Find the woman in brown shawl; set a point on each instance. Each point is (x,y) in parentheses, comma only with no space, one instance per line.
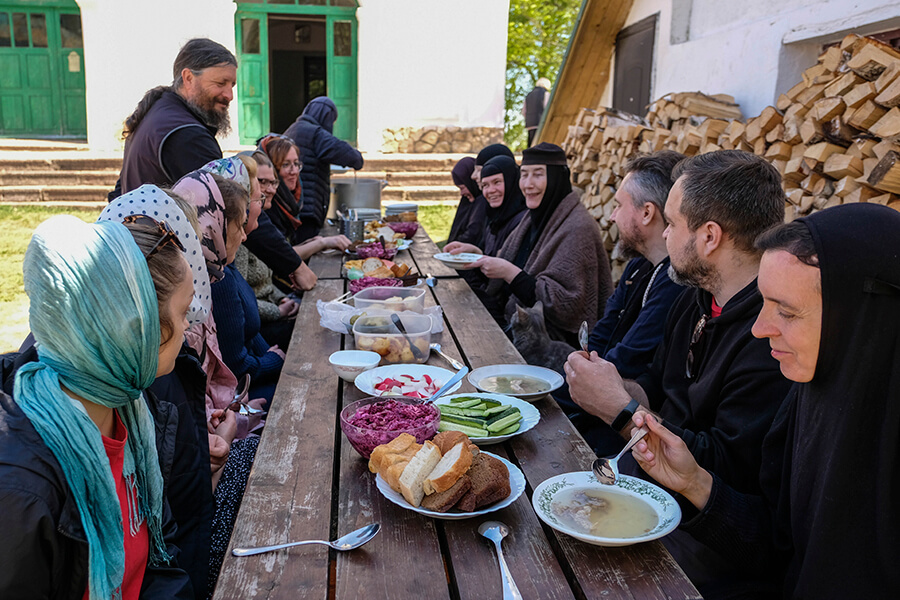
(555,254)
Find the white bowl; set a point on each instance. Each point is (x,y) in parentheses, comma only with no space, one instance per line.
(663,504)
(553,379)
(350,363)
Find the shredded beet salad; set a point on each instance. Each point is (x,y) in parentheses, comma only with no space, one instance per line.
(390,415)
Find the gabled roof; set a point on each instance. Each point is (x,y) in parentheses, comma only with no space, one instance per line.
(585,70)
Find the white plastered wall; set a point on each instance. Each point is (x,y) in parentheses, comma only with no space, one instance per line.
(752,50)
(430,62)
(129,48)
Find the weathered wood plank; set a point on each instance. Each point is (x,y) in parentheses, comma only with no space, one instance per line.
(286,497)
(423,251)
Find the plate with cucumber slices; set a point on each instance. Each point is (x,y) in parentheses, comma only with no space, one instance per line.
(486,418)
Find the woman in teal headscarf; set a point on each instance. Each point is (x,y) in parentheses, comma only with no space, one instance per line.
(80,486)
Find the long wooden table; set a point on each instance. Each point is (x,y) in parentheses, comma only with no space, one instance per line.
(308,483)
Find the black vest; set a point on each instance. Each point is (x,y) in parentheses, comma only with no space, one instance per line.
(142,162)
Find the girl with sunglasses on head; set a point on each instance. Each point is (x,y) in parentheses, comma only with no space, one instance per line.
(83,509)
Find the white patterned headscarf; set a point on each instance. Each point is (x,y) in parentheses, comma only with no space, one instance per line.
(151,201)
(229,168)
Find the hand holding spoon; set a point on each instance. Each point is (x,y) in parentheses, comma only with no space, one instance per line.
(606,470)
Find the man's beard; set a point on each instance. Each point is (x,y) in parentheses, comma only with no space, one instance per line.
(626,247)
(695,272)
(220,121)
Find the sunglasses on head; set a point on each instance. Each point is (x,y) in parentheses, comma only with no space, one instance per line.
(166,234)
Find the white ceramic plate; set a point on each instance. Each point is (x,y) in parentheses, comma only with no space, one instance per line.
(457,261)
(516,487)
(365,382)
(554,379)
(530,415)
(667,509)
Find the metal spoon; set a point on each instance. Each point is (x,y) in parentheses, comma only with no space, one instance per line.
(415,349)
(436,348)
(496,531)
(430,280)
(584,336)
(446,387)
(606,470)
(351,541)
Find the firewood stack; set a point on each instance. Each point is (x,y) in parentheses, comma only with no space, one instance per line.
(834,137)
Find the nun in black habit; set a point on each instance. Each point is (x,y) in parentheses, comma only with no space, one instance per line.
(466,225)
(828,524)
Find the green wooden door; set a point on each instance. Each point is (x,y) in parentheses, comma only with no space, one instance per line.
(253,75)
(42,91)
(342,83)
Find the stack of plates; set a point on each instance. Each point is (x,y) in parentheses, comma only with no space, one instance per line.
(396,209)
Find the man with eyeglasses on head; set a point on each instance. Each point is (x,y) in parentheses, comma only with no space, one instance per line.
(711,382)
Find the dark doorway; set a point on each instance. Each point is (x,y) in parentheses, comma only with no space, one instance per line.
(634,66)
(297,74)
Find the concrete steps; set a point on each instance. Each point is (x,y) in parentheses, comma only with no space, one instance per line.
(70,175)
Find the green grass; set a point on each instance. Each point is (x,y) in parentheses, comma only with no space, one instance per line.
(19,222)
(436,220)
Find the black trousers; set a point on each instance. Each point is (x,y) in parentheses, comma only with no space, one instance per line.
(531,134)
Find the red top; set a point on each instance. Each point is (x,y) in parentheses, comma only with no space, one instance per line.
(137,547)
(715,309)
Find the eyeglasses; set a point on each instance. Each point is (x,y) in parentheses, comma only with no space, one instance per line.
(166,233)
(695,337)
(292,163)
(267,182)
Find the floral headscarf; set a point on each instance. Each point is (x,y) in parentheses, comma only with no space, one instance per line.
(230,168)
(201,191)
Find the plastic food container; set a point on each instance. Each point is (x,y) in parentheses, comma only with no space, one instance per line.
(379,334)
(390,298)
(388,418)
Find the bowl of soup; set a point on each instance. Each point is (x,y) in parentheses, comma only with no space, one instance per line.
(630,512)
(526,382)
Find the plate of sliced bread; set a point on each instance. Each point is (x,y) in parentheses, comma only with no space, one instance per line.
(445,478)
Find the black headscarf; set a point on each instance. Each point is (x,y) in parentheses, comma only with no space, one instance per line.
(489,152)
(513,200)
(558,187)
(838,488)
(462,175)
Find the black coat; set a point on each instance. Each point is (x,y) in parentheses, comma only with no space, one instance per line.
(178,404)
(44,552)
(268,243)
(319,149)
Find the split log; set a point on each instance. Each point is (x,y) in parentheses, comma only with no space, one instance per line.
(886,174)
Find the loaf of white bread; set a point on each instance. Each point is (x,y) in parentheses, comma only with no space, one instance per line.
(441,469)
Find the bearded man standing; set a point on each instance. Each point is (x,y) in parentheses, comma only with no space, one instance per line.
(173,129)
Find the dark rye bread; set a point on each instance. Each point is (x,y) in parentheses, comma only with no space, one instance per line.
(444,501)
(490,483)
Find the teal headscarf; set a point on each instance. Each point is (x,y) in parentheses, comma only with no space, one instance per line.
(94,315)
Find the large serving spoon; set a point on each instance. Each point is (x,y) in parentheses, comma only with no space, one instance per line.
(606,470)
(496,531)
(351,541)
(446,387)
(420,356)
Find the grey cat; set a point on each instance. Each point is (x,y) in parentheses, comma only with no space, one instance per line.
(532,341)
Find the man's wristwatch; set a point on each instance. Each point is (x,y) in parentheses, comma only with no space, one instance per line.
(623,417)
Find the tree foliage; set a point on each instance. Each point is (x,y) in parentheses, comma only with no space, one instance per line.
(538,36)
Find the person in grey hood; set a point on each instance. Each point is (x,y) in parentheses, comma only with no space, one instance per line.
(319,149)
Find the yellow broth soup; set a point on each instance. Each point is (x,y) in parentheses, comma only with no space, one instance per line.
(514,384)
(604,514)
